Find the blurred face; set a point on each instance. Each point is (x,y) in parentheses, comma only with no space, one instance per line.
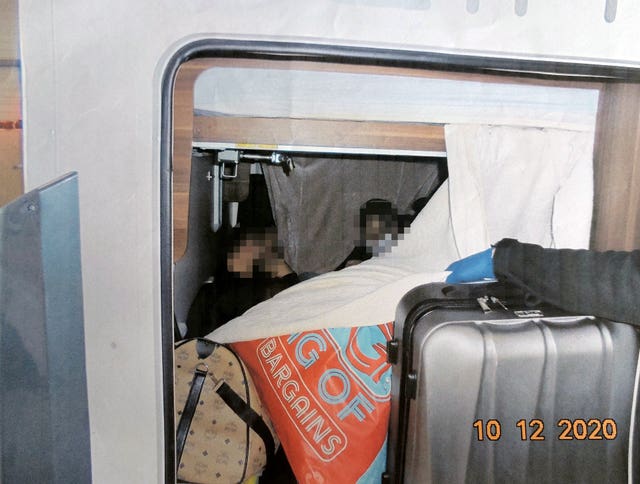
(244,256)
(255,252)
(380,233)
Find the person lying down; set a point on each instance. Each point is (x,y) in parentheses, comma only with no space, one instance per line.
(360,294)
(255,271)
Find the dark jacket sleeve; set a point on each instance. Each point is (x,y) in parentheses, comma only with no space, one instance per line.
(604,284)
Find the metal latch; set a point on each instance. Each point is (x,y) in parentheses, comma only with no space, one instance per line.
(228,160)
(484,304)
(497,301)
(489,303)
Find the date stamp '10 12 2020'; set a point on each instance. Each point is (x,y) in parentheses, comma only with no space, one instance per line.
(534,429)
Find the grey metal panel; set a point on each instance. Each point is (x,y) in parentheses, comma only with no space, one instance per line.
(198,262)
(471,366)
(44,416)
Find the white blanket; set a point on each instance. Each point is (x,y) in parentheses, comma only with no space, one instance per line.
(527,183)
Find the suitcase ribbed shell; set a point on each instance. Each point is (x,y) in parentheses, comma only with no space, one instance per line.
(477,375)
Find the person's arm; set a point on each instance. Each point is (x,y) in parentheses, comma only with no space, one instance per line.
(605,284)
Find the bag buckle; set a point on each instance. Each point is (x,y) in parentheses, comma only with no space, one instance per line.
(217,382)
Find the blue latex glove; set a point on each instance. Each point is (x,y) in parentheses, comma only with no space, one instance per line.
(476,267)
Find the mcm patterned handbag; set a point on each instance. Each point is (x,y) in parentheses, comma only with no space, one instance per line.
(223,434)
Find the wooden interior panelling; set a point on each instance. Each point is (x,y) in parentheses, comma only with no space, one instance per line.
(182,139)
(10,165)
(312,132)
(616,223)
(11,183)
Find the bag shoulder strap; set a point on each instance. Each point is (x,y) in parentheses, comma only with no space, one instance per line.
(249,416)
(189,409)
(234,402)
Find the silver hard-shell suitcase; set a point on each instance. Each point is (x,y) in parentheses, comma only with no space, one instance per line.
(489,386)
